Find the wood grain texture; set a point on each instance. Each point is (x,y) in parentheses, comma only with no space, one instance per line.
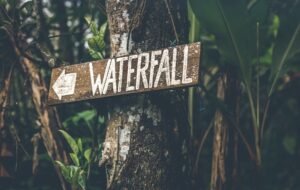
(110,77)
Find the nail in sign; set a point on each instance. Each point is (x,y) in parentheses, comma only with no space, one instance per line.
(167,68)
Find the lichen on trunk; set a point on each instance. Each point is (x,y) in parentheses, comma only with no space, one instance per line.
(145,141)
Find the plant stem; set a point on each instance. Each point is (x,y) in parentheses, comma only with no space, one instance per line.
(257,125)
(283,59)
(255,128)
(190,110)
(257,77)
(266,110)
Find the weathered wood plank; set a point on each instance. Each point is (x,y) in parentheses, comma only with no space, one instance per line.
(167,68)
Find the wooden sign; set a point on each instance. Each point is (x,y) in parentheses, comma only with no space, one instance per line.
(167,68)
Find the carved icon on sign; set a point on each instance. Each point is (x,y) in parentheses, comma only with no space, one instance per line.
(64,84)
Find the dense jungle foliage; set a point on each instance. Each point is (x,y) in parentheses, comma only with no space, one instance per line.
(248,95)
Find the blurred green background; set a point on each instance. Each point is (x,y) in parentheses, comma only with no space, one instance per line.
(253,44)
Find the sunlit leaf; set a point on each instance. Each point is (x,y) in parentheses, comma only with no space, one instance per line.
(101,119)
(82,179)
(97,42)
(93,44)
(28,5)
(101,35)
(92,25)
(64,170)
(75,159)
(79,144)
(73,173)
(72,143)
(95,54)
(87,115)
(87,154)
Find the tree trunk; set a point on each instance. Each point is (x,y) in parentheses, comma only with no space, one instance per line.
(48,118)
(225,141)
(218,173)
(145,146)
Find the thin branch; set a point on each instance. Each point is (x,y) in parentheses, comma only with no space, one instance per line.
(283,59)
(172,21)
(52,144)
(201,146)
(233,123)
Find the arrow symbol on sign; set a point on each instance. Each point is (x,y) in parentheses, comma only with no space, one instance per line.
(65,84)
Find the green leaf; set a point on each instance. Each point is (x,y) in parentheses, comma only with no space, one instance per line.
(234,25)
(101,35)
(97,42)
(59,163)
(93,44)
(103,30)
(72,143)
(79,144)
(101,119)
(75,159)
(92,25)
(287,43)
(95,54)
(290,144)
(64,170)
(70,173)
(88,20)
(87,115)
(73,120)
(87,154)
(73,173)
(28,5)
(82,179)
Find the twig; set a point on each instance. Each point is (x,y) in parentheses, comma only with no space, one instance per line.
(3,96)
(172,21)
(250,151)
(201,146)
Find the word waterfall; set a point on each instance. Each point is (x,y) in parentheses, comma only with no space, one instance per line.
(148,71)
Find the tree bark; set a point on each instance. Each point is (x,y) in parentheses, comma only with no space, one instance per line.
(225,147)
(47,116)
(218,173)
(145,144)
(6,145)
